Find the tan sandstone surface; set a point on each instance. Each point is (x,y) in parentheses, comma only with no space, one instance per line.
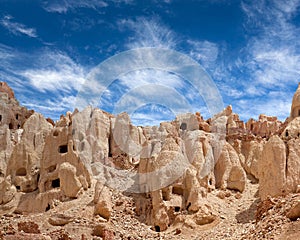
(92,175)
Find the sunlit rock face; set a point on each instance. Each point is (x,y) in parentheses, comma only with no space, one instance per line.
(170,169)
(295,108)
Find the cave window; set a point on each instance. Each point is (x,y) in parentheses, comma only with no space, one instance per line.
(18,187)
(286,133)
(183,126)
(177,209)
(55,133)
(17,116)
(187,208)
(21,172)
(56,183)
(157,228)
(19,126)
(63,149)
(298,112)
(10,126)
(0,117)
(251,127)
(48,207)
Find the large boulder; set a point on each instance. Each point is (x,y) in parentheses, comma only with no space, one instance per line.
(69,182)
(103,201)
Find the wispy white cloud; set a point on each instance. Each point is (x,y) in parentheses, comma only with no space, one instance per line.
(69,5)
(66,5)
(204,51)
(17,28)
(56,72)
(148,32)
(52,107)
(49,85)
(268,67)
(273,54)
(272,106)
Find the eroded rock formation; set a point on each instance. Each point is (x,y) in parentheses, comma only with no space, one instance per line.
(169,169)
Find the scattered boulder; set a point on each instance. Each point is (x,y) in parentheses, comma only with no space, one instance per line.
(104,232)
(59,219)
(102,201)
(294,212)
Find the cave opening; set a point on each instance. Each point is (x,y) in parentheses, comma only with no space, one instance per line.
(177,209)
(55,183)
(183,126)
(63,149)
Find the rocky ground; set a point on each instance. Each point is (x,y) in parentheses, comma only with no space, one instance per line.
(239,216)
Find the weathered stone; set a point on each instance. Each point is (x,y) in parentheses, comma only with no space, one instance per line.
(295,108)
(228,170)
(59,219)
(204,216)
(293,165)
(104,232)
(24,163)
(294,212)
(102,201)
(69,182)
(272,173)
(7,191)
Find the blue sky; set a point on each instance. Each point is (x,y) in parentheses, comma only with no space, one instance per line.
(251,50)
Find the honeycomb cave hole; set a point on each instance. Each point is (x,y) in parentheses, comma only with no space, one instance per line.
(177,209)
(183,126)
(187,208)
(56,183)
(63,149)
(48,207)
(157,228)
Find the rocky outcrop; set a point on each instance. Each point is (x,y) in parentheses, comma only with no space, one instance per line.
(272,174)
(228,170)
(250,154)
(265,127)
(295,108)
(24,163)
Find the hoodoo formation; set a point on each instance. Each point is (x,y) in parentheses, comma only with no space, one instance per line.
(69,179)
